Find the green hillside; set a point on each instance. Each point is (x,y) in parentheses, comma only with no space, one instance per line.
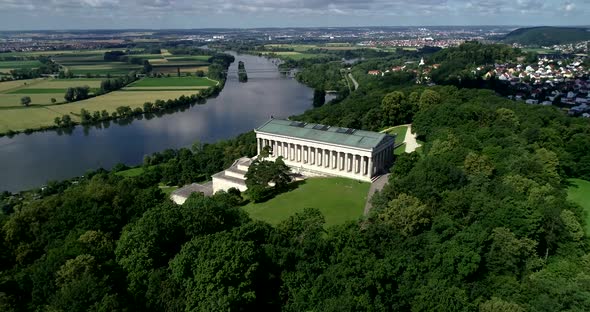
(546,36)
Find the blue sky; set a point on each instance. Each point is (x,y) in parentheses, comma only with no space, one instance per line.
(109,14)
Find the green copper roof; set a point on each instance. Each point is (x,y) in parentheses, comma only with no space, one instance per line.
(316,132)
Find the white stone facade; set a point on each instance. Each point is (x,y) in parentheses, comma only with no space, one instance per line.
(327,158)
(234,176)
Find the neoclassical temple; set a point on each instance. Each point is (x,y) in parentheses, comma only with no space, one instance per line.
(311,149)
(325,150)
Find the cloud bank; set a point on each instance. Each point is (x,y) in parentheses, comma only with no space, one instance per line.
(70,14)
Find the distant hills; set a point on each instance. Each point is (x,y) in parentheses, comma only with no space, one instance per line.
(547,36)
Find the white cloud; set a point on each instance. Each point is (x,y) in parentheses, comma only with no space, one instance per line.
(569,6)
(196,13)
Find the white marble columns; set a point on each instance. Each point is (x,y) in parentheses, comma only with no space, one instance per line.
(356,163)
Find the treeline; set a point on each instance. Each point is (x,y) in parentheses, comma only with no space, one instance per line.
(88,117)
(74,94)
(479,222)
(188,50)
(219,64)
(47,67)
(109,85)
(478,54)
(457,63)
(218,70)
(242,74)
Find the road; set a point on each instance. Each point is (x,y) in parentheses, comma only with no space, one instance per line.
(356,84)
(377,185)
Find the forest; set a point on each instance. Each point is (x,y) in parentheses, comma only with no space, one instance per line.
(478,221)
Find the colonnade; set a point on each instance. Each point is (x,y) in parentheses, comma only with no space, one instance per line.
(328,159)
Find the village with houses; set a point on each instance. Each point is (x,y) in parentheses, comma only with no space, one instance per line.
(552,80)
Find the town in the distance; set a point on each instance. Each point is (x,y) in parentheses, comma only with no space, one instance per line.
(382,168)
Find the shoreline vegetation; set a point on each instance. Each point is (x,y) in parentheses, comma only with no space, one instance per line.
(92,117)
(203,88)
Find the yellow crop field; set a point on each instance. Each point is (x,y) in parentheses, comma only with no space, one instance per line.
(172,88)
(42,113)
(67,83)
(111,101)
(9,85)
(26,118)
(158,61)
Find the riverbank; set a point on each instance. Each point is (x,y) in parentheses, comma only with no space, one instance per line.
(148,95)
(30,160)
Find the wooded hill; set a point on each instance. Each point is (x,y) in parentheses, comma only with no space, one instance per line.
(479,222)
(547,36)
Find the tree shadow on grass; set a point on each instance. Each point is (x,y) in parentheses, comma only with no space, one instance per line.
(289,188)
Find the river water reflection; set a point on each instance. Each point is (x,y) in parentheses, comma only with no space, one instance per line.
(28,161)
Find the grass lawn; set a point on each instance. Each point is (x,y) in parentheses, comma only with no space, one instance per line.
(174,82)
(400,133)
(579,193)
(168,189)
(133,172)
(339,199)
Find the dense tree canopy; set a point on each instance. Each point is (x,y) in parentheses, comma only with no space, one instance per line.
(478,221)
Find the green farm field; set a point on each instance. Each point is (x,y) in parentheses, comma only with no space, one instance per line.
(21,118)
(104,68)
(174,82)
(42,112)
(188,58)
(26,118)
(12,100)
(10,85)
(41,91)
(55,53)
(64,83)
(338,199)
(295,55)
(6,66)
(579,193)
(27,91)
(306,47)
(162,88)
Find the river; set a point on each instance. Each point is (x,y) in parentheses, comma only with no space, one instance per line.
(29,161)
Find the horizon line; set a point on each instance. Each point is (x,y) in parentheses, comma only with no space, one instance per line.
(289,27)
